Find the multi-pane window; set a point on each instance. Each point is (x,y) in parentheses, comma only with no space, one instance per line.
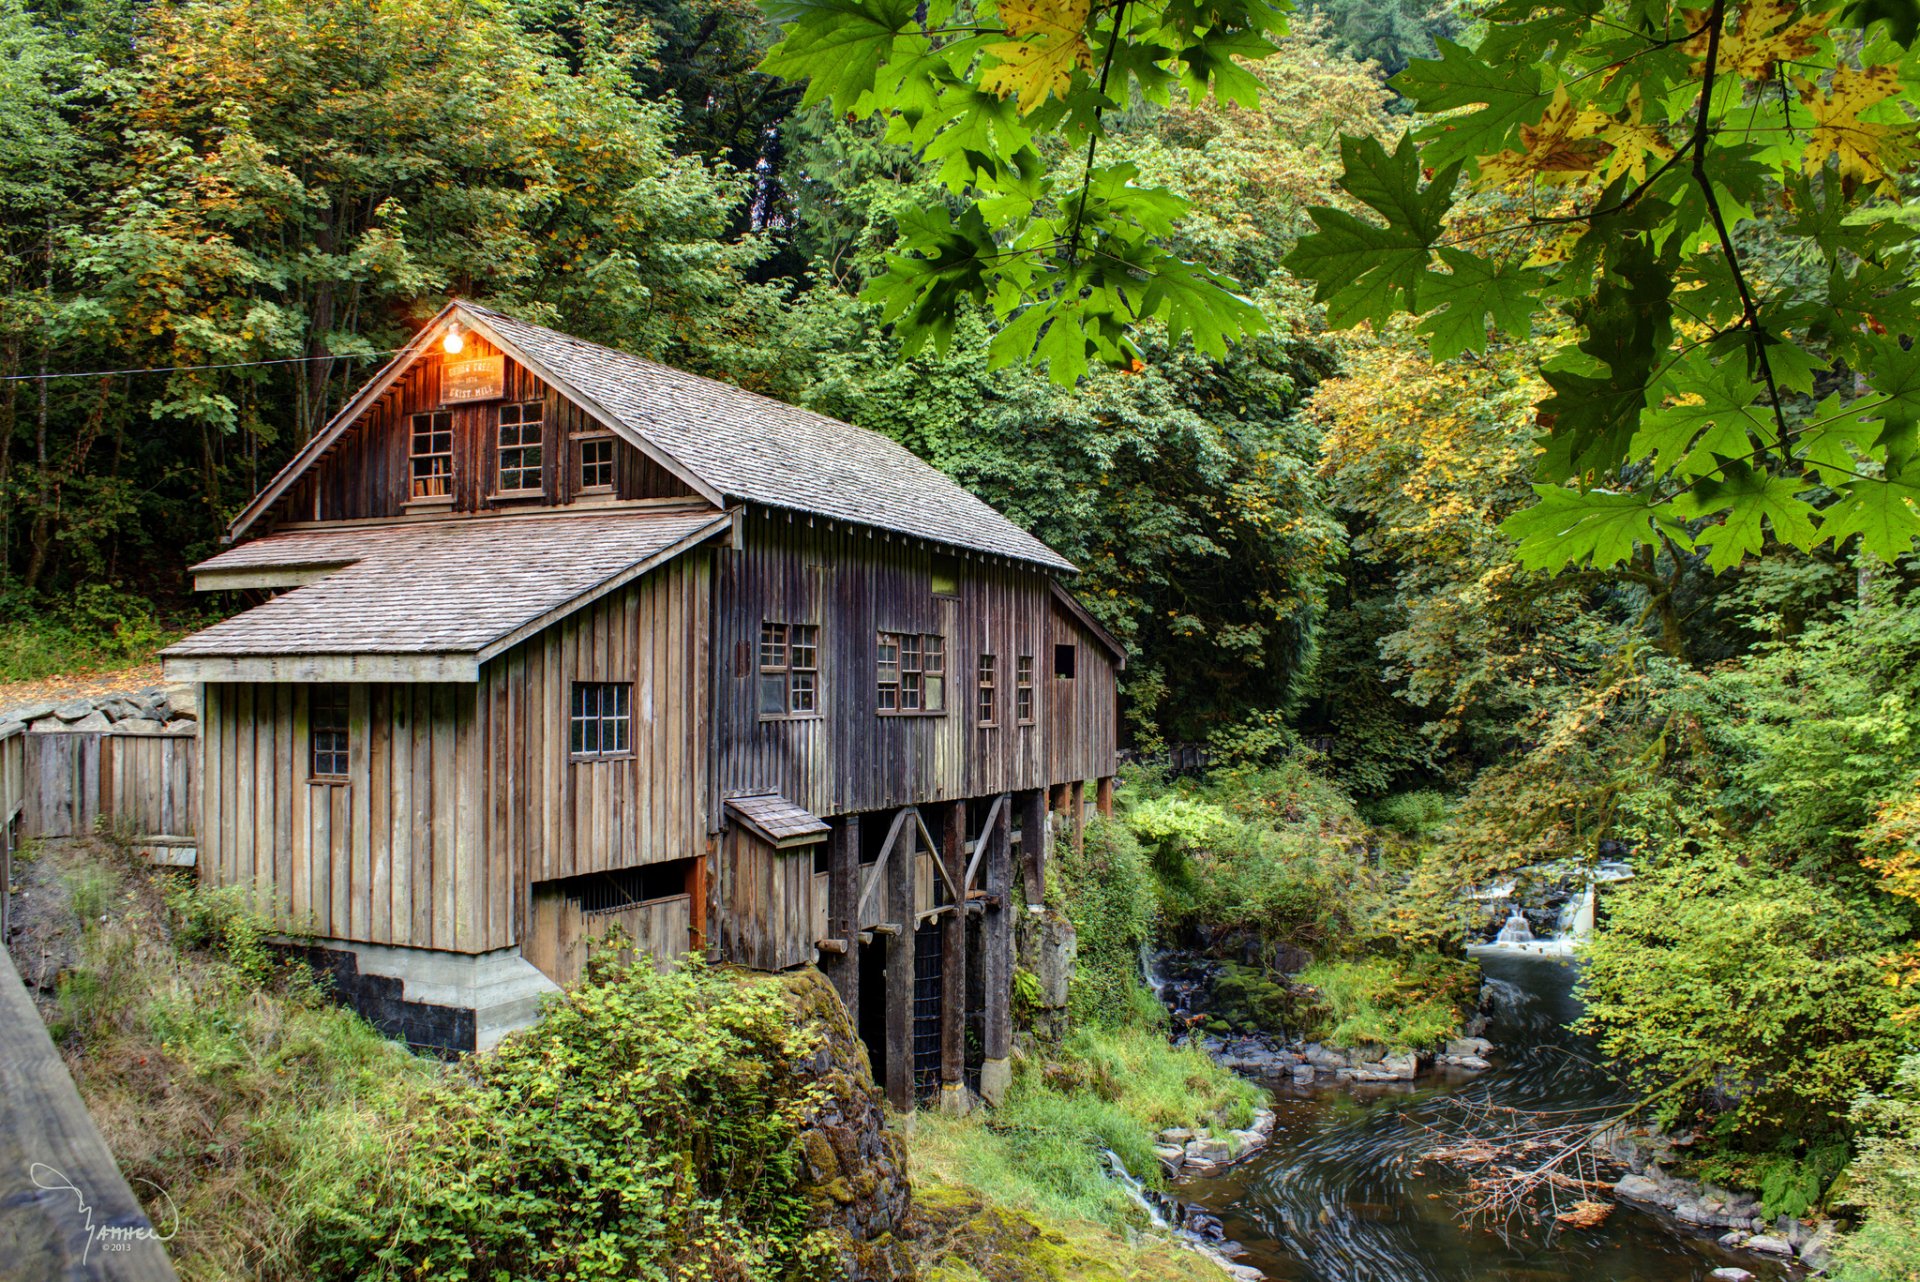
(596,463)
(519,452)
(601,720)
(327,732)
(789,669)
(985,684)
(432,455)
(1023,689)
(911,672)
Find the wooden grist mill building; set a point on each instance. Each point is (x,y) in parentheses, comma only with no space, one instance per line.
(551,638)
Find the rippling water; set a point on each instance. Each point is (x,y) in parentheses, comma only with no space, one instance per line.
(1340,1195)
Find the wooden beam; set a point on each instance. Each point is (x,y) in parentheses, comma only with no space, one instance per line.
(938,846)
(979,848)
(69,1213)
(1104,795)
(310,668)
(996,963)
(953,960)
(899,996)
(1078,809)
(843,885)
(877,873)
(1036,831)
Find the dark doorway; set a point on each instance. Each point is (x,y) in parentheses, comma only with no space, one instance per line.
(872,1020)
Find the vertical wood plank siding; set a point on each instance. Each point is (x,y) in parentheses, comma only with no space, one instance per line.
(150,781)
(368,472)
(392,855)
(852,758)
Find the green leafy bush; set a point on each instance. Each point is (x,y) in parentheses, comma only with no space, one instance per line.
(1883,1184)
(645,1128)
(1107,892)
(1400,1003)
(1411,814)
(99,627)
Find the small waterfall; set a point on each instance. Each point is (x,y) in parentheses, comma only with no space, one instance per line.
(1516,931)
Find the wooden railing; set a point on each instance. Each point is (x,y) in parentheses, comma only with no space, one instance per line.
(13,791)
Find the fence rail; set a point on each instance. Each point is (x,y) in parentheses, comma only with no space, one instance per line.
(149,781)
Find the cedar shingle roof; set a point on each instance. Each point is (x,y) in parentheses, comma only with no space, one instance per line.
(764,451)
(438,587)
(778,821)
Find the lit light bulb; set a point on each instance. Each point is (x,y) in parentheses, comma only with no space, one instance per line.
(453,342)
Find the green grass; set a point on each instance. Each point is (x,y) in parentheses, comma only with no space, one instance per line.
(1401,1004)
(100,629)
(1040,1152)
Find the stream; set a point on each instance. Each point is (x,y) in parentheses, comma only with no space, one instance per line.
(1340,1195)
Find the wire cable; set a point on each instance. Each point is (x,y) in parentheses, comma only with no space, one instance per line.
(184,369)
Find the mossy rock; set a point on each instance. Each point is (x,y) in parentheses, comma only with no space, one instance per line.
(962,1239)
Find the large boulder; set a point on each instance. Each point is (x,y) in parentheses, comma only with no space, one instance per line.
(854,1166)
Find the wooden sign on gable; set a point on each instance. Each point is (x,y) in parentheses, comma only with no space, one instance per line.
(483,378)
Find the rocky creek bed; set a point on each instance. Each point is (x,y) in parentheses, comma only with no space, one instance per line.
(1335,1183)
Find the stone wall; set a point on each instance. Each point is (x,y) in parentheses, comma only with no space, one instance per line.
(854,1164)
(161,710)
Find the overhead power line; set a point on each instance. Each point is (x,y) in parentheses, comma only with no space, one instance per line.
(184,369)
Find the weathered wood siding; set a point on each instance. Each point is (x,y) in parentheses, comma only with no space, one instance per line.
(392,855)
(776,904)
(13,793)
(854,585)
(151,782)
(561,933)
(367,473)
(548,816)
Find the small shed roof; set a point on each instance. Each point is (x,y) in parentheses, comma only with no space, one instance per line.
(777,821)
(460,591)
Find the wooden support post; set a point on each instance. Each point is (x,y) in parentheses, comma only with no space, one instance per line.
(899,901)
(1078,791)
(697,904)
(1104,793)
(843,893)
(1034,831)
(953,965)
(996,937)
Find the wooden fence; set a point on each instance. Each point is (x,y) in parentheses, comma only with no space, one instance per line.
(149,782)
(13,792)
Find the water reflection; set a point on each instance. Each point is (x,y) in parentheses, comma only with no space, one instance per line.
(1341,1195)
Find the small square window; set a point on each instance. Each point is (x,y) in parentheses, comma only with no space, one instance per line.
(327,732)
(601,719)
(596,463)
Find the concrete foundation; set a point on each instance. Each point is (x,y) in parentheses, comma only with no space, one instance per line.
(996,1075)
(435,1000)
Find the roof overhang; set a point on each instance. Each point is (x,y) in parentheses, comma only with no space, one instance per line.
(780,823)
(1071,604)
(363,400)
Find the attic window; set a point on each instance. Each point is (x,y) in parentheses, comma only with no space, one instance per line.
(520,462)
(596,463)
(946,575)
(1065,660)
(432,455)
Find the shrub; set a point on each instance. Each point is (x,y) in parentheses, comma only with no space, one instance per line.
(1399,1003)
(645,1128)
(1883,1185)
(1107,892)
(1411,814)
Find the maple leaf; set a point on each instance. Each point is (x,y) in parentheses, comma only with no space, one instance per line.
(1830,444)
(1566,527)
(1561,148)
(836,46)
(1472,288)
(1881,511)
(1713,415)
(1050,41)
(1632,140)
(1766,33)
(1869,151)
(1508,95)
(1747,496)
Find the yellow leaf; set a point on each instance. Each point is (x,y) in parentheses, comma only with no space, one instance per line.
(1560,149)
(1632,140)
(1051,40)
(1765,33)
(1867,151)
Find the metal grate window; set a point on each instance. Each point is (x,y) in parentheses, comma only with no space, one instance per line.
(596,463)
(1023,689)
(789,669)
(520,427)
(927,985)
(601,723)
(431,459)
(986,698)
(911,672)
(327,735)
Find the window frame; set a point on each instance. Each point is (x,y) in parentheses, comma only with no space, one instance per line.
(919,667)
(986,706)
(437,423)
(329,719)
(1023,701)
(582,441)
(600,704)
(1066,661)
(520,447)
(781,647)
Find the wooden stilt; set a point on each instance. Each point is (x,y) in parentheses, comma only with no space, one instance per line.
(996,936)
(1104,793)
(1034,831)
(843,892)
(697,904)
(953,962)
(1078,809)
(899,901)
